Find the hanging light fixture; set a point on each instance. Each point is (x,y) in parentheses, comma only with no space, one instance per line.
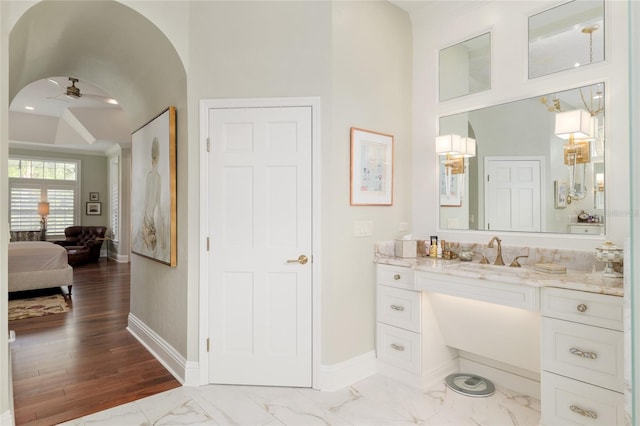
(575,126)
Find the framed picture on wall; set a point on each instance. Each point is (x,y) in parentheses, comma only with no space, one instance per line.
(371,168)
(451,186)
(153,189)
(93,208)
(94,196)
(561,192)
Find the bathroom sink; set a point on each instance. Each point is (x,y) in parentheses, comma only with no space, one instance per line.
(488,271)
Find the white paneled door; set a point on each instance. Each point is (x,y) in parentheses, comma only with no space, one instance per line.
(260,246)
(512,194)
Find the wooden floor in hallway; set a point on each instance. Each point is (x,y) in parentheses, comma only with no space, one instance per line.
(72,364)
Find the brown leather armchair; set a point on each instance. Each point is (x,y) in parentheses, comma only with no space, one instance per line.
(83,243)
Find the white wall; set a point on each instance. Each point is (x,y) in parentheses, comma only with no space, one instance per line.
(371,89)
(508,23)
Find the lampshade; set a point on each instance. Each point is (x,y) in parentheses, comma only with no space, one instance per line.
(43,208)
(468,146)
(576,123)
(448,144)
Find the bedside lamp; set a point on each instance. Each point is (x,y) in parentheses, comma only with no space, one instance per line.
(43,211)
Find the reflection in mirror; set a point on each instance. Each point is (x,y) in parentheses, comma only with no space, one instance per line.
(568,36)
(465,68)
(528,174)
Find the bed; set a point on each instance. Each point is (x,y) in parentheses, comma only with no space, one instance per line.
(38,264)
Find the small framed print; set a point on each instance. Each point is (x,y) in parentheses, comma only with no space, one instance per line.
(371,168)
(93,209)
(561,194)
(94,196)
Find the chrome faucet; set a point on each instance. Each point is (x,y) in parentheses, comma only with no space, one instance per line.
(499,260)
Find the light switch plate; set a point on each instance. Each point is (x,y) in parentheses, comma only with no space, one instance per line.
(363,228)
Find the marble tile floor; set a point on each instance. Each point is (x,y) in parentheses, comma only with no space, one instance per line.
(376,400)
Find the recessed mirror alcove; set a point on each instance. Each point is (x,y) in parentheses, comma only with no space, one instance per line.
(465,68)
(530,171)
(567,36)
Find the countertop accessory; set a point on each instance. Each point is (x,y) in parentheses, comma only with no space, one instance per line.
(470,385)
(609,253)
(465,255)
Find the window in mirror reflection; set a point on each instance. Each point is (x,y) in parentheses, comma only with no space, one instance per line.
(465,68)
(522,156)
(568,36)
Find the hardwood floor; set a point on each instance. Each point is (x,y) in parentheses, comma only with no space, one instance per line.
(69,365)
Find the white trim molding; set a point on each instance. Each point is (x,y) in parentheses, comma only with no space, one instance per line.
(339,376)
(186,372)
(6,418)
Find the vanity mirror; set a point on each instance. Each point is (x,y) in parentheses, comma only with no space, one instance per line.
(465,68)
(531,170)
(568,36)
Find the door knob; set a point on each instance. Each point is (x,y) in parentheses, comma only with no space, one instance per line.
(302,259)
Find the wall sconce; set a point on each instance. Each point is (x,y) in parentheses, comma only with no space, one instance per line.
(43,211)
(575,126)
(451,146)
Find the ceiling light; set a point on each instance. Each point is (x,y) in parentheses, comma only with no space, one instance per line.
(577,64)
(29,108)
(111,101)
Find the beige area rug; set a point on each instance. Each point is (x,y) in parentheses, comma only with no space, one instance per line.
(37,307)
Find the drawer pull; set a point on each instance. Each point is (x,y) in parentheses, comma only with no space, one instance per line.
(397,308)
(583,354)
(583,412)
(581,307)
(397,347)
(396,277)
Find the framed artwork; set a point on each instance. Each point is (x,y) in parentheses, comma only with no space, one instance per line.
(371,168)
(451,187)
(93,208)
(560,191)
(153,189)
(94,196)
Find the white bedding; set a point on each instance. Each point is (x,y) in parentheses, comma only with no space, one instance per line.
(38,264)
(30,256)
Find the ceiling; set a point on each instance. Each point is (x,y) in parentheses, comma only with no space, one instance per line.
(88,124)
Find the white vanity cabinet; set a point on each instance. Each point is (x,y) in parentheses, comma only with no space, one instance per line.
(582,379)
(399,323)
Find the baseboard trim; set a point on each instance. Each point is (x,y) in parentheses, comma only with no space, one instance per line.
(7,418)
(186,372)
(339,376)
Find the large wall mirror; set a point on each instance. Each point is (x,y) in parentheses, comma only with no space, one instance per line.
(537,165)
(465,68)
(568,36)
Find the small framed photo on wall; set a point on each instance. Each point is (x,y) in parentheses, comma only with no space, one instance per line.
(94,196)
(93,209)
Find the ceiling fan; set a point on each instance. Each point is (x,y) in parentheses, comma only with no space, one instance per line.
(73,92)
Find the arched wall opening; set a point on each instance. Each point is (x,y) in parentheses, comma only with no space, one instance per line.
(119,50)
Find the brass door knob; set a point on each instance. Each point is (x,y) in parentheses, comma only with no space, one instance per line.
(302,259)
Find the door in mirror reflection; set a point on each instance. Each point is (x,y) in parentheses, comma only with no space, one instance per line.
(525,130)
(567,36)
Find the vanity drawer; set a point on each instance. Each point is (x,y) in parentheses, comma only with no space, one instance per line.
(570,402)
(399,347)
(586,229)
(580,306)
(583,352)
(395,276)
(399,307)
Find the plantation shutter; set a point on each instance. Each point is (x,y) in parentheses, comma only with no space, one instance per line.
(62,209)
(24,208)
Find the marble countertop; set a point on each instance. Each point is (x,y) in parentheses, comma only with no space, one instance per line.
(592,282)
